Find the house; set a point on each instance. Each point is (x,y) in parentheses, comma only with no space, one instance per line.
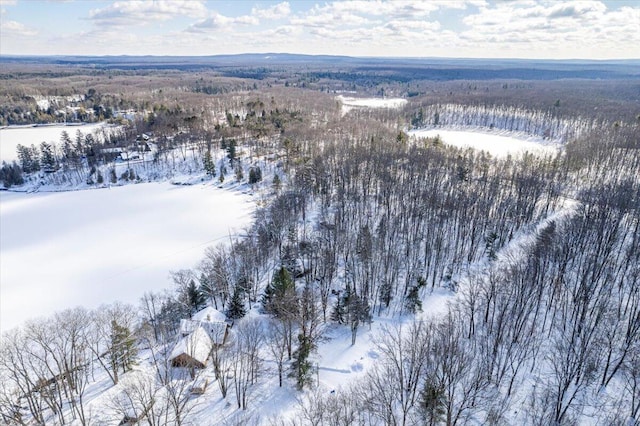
(213,321)
(207,329)
(193,350)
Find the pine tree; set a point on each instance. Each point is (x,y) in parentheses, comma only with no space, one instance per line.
(122,351)
(385,294)
(412,301)
(208,163)
(432,403)
(48,159)
(490,246)
(255,175)
(356,311)
(195,297)
(280,295)
(276,182)
(236,306)
(338,313)
(301,367)
(29,158)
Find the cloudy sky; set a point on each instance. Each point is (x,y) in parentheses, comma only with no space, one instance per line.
(422,28)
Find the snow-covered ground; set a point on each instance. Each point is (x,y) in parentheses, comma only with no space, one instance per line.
(349,103)
(11,137)
(498,143)
(60,250)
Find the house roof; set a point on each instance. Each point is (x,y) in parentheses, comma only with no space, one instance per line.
(196,345)
(209,314)
(215,330)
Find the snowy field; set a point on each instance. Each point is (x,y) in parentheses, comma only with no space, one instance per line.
(349,103)
(60,250)
(497,143)
(11,137)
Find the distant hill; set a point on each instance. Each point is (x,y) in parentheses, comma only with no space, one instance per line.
(401,68)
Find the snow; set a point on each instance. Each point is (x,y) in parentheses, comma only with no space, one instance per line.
(209,314)
(60,250)
(349,103)
(497,143)
(197,345)
(11,137)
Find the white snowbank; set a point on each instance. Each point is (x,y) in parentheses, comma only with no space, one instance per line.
(497,143)
(349,103)
(11,137)
(60,250)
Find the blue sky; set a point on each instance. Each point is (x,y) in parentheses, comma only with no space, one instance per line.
(553,29)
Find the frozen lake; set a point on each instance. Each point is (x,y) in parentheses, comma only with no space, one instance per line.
(497,143)
(349,103)
(60,250)
(11,137)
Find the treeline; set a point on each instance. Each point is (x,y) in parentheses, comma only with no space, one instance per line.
(538,123)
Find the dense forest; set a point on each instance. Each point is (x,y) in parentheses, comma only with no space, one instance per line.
(538,255)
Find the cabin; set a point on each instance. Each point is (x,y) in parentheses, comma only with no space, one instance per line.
(192,351)
(206,330)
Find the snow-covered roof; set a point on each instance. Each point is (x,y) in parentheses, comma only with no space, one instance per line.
(216,330)
(209,314)
(196,345)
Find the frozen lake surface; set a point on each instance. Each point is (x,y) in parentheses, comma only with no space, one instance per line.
(349,103)
(60,250)
(497,143)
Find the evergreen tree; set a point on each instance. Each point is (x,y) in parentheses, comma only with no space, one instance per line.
(356,311)
(276,182)
(432,403)
(338,313)
(231,150)
(490,246)
(255,175)
(47,156)
(122,351)
(239,172)
(301,367)
(386,294)
(236,306)
(412,301)
(280,295)
(11,174)
(195,297)
(29,158)
(208,163)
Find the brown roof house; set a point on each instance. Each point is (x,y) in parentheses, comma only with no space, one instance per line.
(206,330)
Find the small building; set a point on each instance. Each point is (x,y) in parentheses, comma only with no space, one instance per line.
(211,320)
(193,350)
(206,330)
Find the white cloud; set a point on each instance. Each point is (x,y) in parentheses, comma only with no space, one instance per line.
(144,11)
(463,28)
(4,3)
(278,11)
(555,29)
(218,21)
(13,28)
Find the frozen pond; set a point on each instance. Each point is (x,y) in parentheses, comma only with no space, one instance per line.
(497,143)
(349,103)
(60,250)
(11,137)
